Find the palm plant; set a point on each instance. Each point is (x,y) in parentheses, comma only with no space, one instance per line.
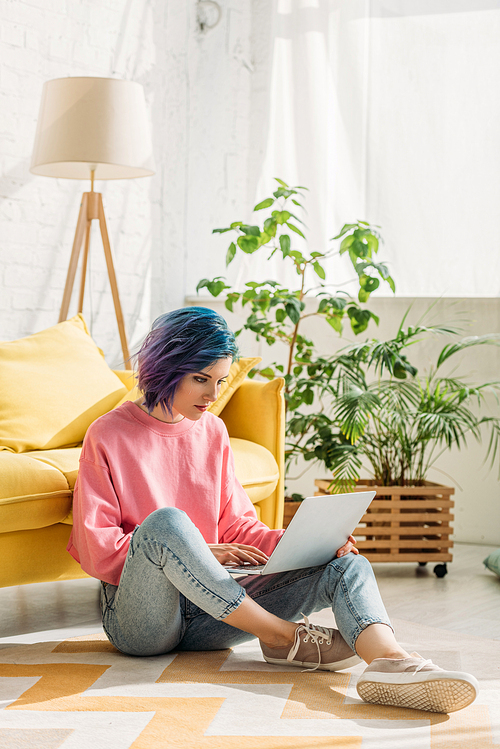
(383,412)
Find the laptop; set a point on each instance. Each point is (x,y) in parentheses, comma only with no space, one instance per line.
(319,528)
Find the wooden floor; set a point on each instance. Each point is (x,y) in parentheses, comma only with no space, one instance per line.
(466,600)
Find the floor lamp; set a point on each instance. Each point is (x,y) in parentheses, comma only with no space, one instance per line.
(92,128)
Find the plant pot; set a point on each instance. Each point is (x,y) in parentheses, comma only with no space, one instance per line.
(291,507)
(405,523)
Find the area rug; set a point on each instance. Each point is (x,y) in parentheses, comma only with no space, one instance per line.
(83,694)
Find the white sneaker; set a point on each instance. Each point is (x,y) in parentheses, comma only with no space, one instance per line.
(417,683)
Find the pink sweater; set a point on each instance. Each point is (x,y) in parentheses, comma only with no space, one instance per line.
(133,464)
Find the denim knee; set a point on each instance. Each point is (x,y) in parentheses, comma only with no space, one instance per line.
(352,564)
(165,520)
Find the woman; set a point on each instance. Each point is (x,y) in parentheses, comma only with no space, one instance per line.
(158,512)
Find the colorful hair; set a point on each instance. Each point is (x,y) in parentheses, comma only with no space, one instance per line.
(181,342)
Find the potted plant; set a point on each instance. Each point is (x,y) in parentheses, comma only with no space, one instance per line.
(382,412)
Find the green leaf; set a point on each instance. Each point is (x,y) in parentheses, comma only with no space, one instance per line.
(344,230)
(346,243)
(283,192)
(267,372)
(220,231)
(236,224)
(320,271)
(336,322)
(281,217)
(322,305)
(248,243)
(215,287)
(359,319)
(232,297)
(231,252)
(369,283)
(293,310)
(253,231)
(285,244)
(202,284)
(295,229)
(298,256)
(264,204)
(308,397)
(297,218)
(283,184)
(280,315)
(270,225)
(372,242)
(363,296)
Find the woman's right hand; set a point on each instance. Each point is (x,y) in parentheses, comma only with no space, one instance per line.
(237,554)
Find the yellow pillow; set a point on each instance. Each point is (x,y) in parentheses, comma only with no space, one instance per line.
(53,385)
(237,373)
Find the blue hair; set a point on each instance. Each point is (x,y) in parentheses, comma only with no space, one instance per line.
(179,343)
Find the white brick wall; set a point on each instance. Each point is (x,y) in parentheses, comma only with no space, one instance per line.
(198,88)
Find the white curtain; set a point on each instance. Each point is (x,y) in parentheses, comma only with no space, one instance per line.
(389,111)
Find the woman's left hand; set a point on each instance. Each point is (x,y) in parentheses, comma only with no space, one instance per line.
(347,547)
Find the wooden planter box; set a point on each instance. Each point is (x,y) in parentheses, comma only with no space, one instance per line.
(405,523)
(291,508)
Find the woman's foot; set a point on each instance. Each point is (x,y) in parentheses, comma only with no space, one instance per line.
(314,647)
(417,683)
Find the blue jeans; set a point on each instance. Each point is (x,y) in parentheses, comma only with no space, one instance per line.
(174,594)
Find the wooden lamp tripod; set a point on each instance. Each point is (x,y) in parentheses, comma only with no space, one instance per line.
(92,208)
(98,125)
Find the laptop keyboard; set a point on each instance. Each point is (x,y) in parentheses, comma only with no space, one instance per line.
(245,567)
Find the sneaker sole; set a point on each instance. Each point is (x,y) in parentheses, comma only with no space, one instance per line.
(434,692)
(353,660)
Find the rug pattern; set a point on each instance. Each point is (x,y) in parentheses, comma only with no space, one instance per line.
(83,694)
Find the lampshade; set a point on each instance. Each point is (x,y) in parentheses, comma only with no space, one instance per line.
(86,123)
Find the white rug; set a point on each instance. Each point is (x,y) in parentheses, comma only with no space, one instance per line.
(81,693)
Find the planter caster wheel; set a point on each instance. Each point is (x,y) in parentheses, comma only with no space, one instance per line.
(440,570)
(422,564)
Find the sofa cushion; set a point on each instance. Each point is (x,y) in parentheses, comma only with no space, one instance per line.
(36,487)
(66,460)
(255,467)
(33,493)
(53,385)
(237,373)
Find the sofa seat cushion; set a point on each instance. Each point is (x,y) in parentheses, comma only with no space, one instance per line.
(36,487)
(33,493)
(66,460)
(256,468)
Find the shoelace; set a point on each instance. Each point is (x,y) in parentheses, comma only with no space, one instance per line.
(421,665)
(313,632)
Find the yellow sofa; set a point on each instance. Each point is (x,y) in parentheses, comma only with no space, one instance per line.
(36,485)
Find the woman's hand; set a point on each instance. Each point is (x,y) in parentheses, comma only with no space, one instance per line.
(237,554)
(347,547)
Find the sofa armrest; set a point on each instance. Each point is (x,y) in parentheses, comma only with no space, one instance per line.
(256,412)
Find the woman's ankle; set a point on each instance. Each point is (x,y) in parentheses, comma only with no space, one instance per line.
(284,639)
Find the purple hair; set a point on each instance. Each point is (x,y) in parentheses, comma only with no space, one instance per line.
(181,342)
